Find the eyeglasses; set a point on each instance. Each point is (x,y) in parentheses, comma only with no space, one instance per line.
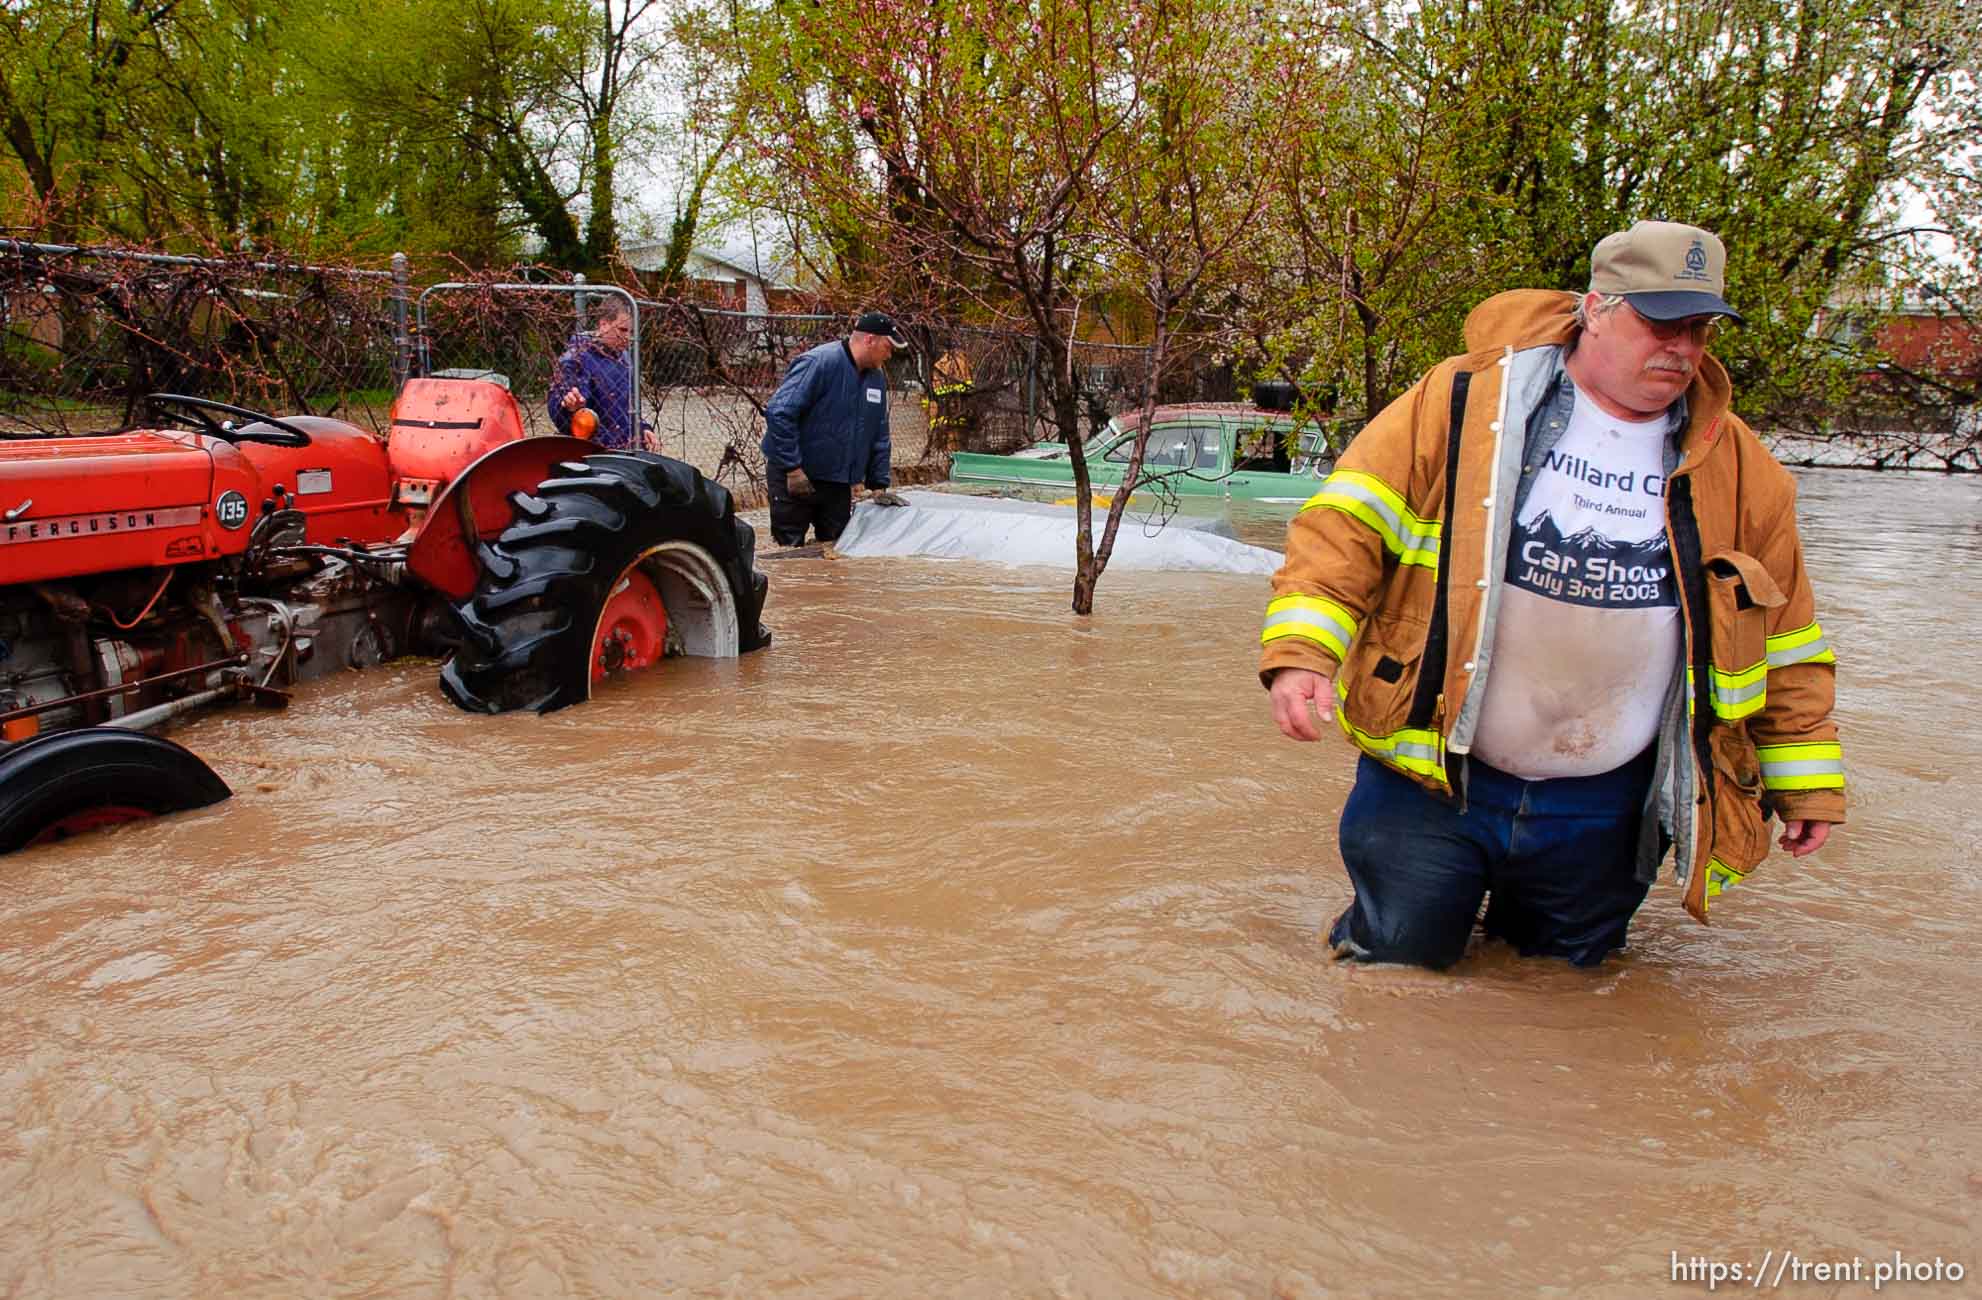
(1702,329)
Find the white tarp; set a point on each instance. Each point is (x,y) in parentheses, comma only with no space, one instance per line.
(951,526)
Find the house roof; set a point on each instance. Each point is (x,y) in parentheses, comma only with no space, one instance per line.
(763,259)
(764,262)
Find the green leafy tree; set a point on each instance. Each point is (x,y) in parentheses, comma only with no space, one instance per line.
(709,66)
(952,151)
(482,79)
(1018,161)
(355,122)
(1491,143)
(1381,237)
(1182,187)
(529,107)
(127,118)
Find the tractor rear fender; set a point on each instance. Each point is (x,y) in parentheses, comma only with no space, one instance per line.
(474,509)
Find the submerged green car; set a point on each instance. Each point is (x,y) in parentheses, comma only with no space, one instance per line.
(1212,452)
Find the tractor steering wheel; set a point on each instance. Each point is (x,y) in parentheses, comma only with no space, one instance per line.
(280,433)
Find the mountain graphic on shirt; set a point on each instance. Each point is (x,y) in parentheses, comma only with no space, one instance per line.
(1589,538)
(1588,568)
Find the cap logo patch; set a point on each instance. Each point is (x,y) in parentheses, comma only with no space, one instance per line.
(1696,263)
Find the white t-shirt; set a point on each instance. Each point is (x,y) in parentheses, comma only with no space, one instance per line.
(1587,638)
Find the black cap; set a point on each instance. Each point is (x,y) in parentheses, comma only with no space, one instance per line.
(879,322)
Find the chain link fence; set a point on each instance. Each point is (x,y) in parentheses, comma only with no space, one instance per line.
(85,334)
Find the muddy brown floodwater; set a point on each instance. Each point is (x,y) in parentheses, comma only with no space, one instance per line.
(959,947)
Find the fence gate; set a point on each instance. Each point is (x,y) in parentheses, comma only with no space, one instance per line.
(514,331)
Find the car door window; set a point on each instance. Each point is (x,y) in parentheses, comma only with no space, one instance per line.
(1208,438)
(1262,448)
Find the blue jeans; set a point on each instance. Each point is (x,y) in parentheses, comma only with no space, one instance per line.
(1559,859)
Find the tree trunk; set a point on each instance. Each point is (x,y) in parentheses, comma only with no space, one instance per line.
(602,230)
(40,171)
(1084,579)
(537,194)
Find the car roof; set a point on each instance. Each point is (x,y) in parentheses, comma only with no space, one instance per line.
(1185,410)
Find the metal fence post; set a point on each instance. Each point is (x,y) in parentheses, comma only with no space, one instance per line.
(578,300)
(1031,381)
(402,342)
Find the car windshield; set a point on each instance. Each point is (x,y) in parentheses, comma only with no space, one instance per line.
(1171,446)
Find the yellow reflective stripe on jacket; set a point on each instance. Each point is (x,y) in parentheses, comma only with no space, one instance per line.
(1806,645)
(1818,765)
(1736,695)
(1721,877)
(1413,749)
(1313,617)
(1368,498)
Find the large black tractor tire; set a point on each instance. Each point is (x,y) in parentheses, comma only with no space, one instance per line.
(67,782)
(528,633)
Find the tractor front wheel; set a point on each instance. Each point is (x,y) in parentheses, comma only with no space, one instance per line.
(68,782)
(616,562)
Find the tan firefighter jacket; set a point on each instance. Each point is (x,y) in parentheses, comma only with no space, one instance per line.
(1395,568)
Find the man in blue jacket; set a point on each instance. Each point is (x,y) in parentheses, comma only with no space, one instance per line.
(827,429)
(594,371)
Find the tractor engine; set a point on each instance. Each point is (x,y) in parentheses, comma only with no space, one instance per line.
(186,632)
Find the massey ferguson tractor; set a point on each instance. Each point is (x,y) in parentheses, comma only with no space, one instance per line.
(229,554)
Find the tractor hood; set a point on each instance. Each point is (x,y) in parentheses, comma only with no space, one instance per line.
(114,470)
(70,506)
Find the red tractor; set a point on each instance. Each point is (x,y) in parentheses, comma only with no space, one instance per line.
(232,553)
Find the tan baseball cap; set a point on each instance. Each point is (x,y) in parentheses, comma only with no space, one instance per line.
(1665,270)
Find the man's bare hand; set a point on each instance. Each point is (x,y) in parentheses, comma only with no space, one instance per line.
(573,399)
(1302,701)
(1802,838)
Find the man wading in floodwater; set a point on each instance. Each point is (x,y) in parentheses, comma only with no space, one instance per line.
(826,428)
(1557,592)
